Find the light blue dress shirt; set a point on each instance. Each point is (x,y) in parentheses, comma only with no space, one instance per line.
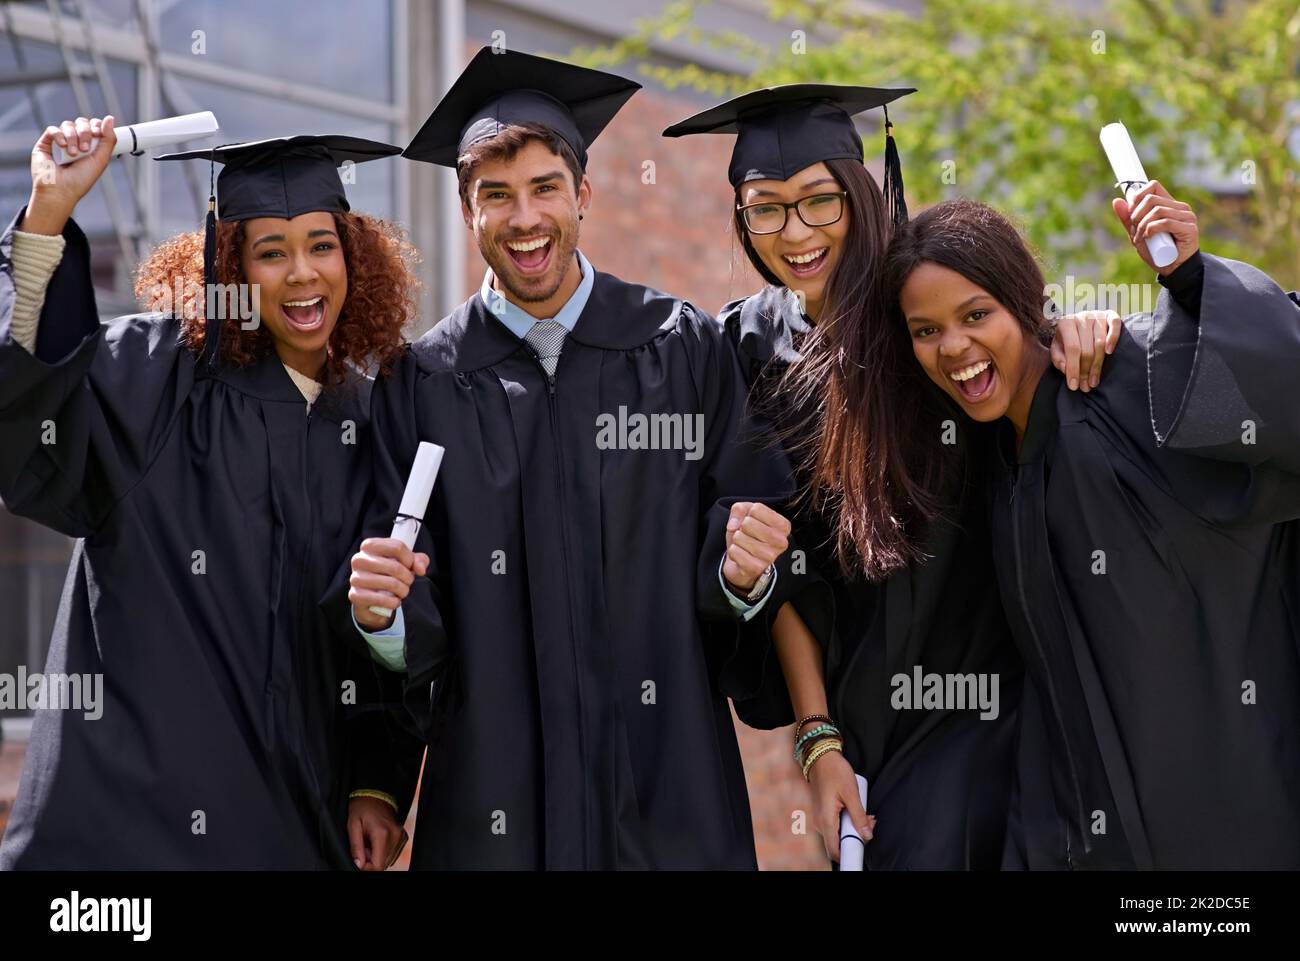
(521,321)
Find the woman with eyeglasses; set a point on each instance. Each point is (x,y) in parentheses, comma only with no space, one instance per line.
(897,660)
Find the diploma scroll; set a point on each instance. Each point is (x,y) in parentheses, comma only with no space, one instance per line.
(136,138)
(852,848)
(1131,178)
(415,500)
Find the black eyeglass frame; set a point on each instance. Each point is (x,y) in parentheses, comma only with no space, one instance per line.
(741,208)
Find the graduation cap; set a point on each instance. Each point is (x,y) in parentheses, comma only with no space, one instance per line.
(281,177)
(498,89)
(782,130)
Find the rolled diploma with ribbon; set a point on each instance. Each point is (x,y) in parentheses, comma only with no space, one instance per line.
(852,848)
(415,500)
(1130,177)
(136,138)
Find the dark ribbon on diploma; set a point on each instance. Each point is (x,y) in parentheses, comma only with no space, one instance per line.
(419,521)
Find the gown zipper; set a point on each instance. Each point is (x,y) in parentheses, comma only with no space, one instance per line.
(318,801)
(553,415)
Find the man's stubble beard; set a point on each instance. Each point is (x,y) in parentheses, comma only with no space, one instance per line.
(504,270)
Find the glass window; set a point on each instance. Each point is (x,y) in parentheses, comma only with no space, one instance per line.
(54,98)
(114,13)
(333,44)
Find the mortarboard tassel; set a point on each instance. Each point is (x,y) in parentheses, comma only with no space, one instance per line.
(895,203)
(211,326)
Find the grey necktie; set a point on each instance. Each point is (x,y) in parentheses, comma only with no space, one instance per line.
(547,338)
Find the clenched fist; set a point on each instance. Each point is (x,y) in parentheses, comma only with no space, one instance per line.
(1152,211)
(57,190)
(374,834)
(382,574)
(756,537)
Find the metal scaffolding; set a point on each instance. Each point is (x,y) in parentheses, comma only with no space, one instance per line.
(85,71)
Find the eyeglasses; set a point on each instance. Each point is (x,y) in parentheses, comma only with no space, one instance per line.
(770,216)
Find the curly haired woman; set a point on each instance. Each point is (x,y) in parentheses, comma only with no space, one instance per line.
(213,473)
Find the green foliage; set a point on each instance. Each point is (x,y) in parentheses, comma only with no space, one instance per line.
(1012,94)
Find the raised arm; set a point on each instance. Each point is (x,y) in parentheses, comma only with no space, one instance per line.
(1224,344)
(82,407)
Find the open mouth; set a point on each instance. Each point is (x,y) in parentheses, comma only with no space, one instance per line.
(304,315)
(531,256)
(807,264)
(976,382)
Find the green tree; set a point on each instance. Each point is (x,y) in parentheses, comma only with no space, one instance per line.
(1012,94)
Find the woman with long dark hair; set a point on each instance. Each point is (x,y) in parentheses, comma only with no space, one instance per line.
(1160,726)
(1161,717)
(896,657)
(213,462)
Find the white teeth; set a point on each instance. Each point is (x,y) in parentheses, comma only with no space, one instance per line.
(523,246)
(302,303)
(806,258)
(966,373)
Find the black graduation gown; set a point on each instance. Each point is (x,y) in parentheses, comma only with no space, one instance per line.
(222,687)
(939,779)
(573,623)
(1148,559)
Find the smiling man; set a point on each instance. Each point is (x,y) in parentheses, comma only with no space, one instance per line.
(575,597)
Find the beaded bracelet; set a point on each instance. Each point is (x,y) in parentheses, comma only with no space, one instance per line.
(812,745)
(822,749)
(814,733)
(811,717)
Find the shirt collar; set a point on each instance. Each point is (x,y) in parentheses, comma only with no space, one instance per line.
(310,389)
(519,321)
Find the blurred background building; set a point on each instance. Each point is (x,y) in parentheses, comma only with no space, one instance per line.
(372,69)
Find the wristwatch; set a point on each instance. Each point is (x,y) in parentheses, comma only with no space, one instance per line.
(759,587)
